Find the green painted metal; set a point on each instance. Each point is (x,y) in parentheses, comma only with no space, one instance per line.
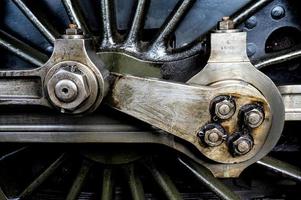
(79,180)
(282,167)
(203,175)
(134,182)
(107,184)
(163,180)
(43,177)
(125,64)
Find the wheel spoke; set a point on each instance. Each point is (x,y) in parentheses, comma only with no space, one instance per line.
(43,177)
(238,18)
(6,156)
(278,59)
(137,24)
(2,195)
(107,184)
(108,22)
(22,50)
(79,180)
(171,25)
(164,181)
(45,28)
(75,14)
(209,180)
(134,182)
(280,166)
(249,10)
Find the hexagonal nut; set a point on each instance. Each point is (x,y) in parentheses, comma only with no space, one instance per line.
(76,77)
(243,145)
(224,109)
(74,31)
(226,24)
(254,118)
(213,137)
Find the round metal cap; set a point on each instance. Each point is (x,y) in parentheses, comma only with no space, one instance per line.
(66,90)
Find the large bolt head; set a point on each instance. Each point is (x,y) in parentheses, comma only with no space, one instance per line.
(68,88)
(74,87)
(254,118)
(224,109)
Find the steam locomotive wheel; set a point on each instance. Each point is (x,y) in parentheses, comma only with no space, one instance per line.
(65,64)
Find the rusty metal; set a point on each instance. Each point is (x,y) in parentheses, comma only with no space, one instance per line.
(179,109)
(75,81)
(229,61)
(75,15)
(183,110)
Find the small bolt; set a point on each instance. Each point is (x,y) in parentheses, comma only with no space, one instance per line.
(73,30)
(251,22)
(49,49)
(278,12)
(224,109)
(212,135)
(72,26)
(251,49)
(254,118)
(242,145)
(226,24)
(225,18)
